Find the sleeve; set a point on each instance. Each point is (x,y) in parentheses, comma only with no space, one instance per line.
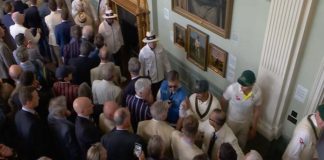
(57,38)
(74,6)
(258,101)
(228,92)
(295,146)
(237,148)
(30,36)
(7,57)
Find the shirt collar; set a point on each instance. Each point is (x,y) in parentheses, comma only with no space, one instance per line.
(32,111)
(86,117)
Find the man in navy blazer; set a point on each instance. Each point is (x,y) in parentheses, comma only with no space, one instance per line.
(120,142)
(66,146)
(32,18)
(62,30)
(82,65)
(30,129)
(86,131)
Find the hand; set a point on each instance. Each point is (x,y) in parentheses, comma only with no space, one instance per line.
(141,156)
(5,151)
(252,133)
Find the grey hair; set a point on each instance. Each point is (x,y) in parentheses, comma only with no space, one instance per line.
(134,65)
(57,106)
(141,84)
(120,116)
(106,71)
(159,110)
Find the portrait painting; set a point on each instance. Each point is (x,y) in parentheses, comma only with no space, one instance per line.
(179,35)
(217,59)
(197,47)
(215,15)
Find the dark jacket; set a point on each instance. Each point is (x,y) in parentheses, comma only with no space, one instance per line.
(86,133)
(32,18)
(81,69)
(19,6)
(120,144)
(32,134)
(65,144)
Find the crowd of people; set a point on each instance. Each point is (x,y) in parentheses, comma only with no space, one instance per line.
(63,95)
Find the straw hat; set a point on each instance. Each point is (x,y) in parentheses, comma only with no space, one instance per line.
(150,37)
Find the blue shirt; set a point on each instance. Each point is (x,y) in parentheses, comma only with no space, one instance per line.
(176,98)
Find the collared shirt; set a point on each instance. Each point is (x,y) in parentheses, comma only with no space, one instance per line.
(113,35)
(154,63)
(86,117)
(241,109)
(32,111)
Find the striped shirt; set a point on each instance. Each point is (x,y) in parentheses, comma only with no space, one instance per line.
(71,50)
(67,89)
(139,110)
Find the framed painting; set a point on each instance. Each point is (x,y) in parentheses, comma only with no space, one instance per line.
(217,59)
(215,15)
(179,35)
(197,43)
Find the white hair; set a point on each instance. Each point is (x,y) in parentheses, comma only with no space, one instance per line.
(141,84)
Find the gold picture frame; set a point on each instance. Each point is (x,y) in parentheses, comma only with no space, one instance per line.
(179,35)
(215,15)
(197,43)
(217,59)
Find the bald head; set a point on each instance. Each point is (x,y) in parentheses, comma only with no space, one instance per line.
(18,18)
(83,106)
(122,118)
(109,109)
(103,54)
(15,71)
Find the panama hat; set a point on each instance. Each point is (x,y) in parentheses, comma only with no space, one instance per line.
(150,37)
(109,14)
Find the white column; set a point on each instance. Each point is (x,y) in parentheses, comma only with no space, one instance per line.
(284,37)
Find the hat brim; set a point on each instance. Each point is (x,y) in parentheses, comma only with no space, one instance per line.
(109,17)
(243,83)
(145,40)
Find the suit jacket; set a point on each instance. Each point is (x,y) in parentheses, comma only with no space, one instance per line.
(66,145)
(19,6)
(120,144)
(52,20)
(148,128)
(6,60)
(224,135)
(182,150)
(81,69)
(32,18)
(62,33)
(43,10)
(95,73)
(86,133)
(31,132)
(130,89)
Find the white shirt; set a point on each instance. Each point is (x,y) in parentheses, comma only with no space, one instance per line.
(103,91)
(302,145)
(32,111)
(240,109)
(224,135)
(17,28)
(51,20)
(113,36)
(154,63)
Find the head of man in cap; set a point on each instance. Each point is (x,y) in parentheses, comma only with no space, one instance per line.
(151,39)
(109,16)
(247,80)
(201,89)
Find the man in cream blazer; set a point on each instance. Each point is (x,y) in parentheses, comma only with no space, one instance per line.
(216,133)
(157,125)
